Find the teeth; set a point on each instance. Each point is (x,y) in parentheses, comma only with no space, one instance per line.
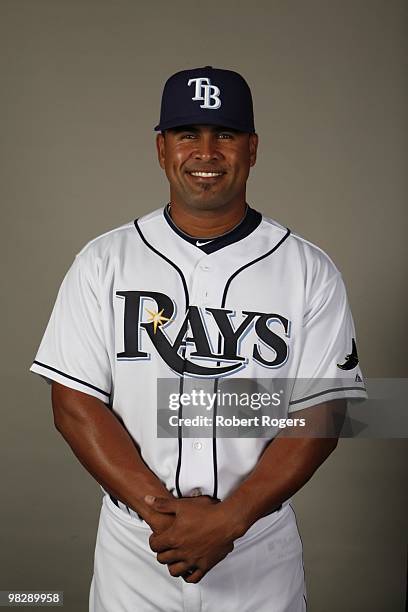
(206,174)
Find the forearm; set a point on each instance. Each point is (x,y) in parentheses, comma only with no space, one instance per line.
(202,535)
(105,448)
(286,465)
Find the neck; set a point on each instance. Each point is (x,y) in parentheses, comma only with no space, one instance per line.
(206,223)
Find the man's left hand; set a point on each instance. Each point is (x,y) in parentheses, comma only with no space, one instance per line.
(199,538)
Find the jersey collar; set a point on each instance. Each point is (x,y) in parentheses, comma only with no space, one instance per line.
(245,227)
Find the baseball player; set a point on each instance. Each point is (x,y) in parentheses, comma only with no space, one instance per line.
(201,293)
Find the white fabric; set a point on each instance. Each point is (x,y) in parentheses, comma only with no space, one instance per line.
(300,327)
(297,281)
(264,572)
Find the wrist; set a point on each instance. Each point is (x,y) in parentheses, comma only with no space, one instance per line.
(142,508)
(237,516)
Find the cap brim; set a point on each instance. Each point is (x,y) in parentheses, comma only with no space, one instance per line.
(200,120)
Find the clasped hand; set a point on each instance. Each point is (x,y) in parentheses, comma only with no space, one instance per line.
(196,537)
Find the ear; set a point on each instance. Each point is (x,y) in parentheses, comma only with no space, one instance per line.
(160,149)
(253,148)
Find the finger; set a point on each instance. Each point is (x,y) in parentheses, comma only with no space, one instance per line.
(160,522)
(169,556)
(193,576)
(161,504)
(178,569)
(161,542)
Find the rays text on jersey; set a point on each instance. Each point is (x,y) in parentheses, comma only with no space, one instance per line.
(269,349)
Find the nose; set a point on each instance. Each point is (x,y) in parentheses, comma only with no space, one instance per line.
(207,147)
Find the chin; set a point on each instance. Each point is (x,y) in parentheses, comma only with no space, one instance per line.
(207,201)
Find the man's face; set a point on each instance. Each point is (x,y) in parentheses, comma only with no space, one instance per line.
(207,166)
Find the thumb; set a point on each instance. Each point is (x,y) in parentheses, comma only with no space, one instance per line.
(161,504)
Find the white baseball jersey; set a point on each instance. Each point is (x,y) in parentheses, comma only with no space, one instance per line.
(145,302)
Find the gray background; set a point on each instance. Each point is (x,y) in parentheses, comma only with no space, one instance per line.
(80,86)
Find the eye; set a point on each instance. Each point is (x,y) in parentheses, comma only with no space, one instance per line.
(187,135)
(225,135)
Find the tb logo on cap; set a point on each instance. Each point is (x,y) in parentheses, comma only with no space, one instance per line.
(206,92)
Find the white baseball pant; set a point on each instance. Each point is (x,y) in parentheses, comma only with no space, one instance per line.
(264,572)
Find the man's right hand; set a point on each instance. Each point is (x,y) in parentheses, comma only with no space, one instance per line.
(159,522)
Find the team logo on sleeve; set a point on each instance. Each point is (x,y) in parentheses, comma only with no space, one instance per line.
(351,360)
(152,315)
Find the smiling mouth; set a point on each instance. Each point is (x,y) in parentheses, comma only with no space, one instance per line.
(201,174)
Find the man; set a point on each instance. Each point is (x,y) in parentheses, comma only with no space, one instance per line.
(203,290)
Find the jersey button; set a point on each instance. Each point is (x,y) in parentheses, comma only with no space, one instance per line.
(205,267)
(196,492)
(197,446)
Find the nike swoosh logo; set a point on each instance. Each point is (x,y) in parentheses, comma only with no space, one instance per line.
(351,359)
(199,243)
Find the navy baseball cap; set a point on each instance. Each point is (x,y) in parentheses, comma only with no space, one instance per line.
(207,96)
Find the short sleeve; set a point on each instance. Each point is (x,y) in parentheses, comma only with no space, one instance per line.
(73,351)
(328,362)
